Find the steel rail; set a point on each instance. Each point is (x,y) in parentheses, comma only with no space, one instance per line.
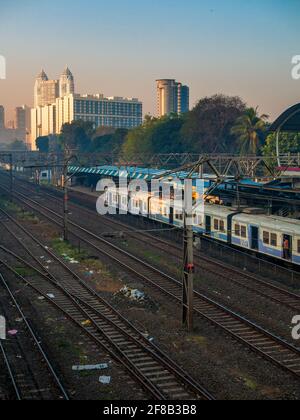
(141,341)
(261,341)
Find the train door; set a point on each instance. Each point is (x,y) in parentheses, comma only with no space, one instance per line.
(172,197)
(208,225)
(254,238)
(287,247)
(171,215)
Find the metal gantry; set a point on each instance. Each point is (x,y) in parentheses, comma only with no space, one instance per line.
(248,165)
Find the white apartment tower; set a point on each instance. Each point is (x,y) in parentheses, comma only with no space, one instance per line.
(66,83)
(45,91)
(172,97)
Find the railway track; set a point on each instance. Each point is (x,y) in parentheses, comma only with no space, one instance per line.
(161,377)
(30,373)
(233,275)
(261,341)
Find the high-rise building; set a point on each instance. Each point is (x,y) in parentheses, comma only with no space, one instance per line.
(55,104)
(45,91)
(2,117)
(115,112)
(22,121)
(172,97)
(66,83)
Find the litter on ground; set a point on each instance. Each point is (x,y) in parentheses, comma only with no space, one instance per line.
(90,367)
(86,323)
(19,320)
(133,294)
(12,332)
(51,295)
(105,380)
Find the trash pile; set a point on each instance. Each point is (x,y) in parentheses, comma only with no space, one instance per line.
(70,259)
(133,294)
(103,379)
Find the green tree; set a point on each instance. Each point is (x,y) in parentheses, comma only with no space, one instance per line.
(109,143)
(156,135)
(42,144)
(250,130)
(207,128)
(77,135)
(288,143)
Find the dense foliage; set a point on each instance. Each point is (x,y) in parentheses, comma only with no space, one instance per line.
(217,124)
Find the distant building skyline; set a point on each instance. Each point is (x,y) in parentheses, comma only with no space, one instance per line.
(47,91)
(172,97)
(56,104)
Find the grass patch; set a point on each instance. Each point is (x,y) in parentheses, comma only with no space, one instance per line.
(67,250)
(24,271)
(198,339)
(250,384)
(18,211)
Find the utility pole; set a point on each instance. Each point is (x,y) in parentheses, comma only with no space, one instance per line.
(11,176)
(188,258)
(66,196)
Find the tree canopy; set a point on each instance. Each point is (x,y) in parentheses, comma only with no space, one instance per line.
(42,144)
(288,143)
(217,124)
(77,135)
(207,128)
(250,130)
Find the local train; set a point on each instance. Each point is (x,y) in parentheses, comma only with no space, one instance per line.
(247,229)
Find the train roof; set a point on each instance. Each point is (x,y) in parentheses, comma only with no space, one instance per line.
(132,172)
(216,210)
(275,222)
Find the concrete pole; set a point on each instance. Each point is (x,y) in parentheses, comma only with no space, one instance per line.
(188,260)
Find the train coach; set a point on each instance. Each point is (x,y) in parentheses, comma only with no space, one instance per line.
(272,236)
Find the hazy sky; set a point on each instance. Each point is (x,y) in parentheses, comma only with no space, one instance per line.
(120,47)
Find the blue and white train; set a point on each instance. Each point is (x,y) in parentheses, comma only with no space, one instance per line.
(272,236)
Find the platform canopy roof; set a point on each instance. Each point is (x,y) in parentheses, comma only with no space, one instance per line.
(289,121)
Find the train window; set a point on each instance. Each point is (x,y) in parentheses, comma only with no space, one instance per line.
(222,226)
(237,230)
(216,224)
(273,239)
(266,238)
(298,246)
(243,232)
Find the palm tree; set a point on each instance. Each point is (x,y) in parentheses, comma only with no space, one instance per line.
(250,130)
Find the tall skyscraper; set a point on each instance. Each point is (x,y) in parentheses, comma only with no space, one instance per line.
(45,91)
(66,83)
(172,97)
(2,117)
(20,118)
